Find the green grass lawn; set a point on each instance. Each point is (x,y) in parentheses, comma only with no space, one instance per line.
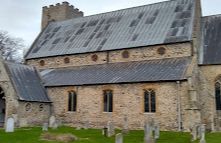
(32,135)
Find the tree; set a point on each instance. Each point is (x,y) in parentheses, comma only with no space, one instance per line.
(10,47)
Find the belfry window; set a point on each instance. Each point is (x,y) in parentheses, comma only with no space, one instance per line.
(108,101)
(218,96)
(72,101)
(149,101)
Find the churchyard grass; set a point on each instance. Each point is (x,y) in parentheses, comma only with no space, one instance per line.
(33,135)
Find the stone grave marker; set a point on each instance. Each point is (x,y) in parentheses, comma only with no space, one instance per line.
(203,131)
(148,134)
(156,132)
(125,126)
(110,129)
(45,127)
(194,132)
(198,132)
(119,138)
(52,121)
(86,125)
(10,125)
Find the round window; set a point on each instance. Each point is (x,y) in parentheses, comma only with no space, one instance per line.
(94,57)
(42,63)
(161,50)
(28,107)
(66,60)
(125,54)
(41,107)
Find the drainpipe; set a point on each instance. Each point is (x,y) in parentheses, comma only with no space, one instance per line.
(179,116)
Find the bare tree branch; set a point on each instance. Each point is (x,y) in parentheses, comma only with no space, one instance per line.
(10,47)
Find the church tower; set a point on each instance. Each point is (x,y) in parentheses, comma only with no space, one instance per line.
(59,12)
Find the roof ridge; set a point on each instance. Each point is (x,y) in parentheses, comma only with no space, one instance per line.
(117,10)
(213,15)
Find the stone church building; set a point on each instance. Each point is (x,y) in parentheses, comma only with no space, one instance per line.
(159,61)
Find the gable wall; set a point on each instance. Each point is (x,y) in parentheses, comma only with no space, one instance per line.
(135,54)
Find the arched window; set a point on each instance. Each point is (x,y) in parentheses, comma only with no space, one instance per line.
(218,96)
(108,101)
(149,101)
(72,101)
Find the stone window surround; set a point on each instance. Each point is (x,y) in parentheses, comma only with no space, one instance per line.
(108,93)
(149,93)
(218,91)
(74,105)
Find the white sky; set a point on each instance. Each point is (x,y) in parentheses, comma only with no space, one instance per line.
(22,18)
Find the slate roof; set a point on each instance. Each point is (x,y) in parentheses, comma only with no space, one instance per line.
(131,72)
(27,83)
(210,51)
(160,23)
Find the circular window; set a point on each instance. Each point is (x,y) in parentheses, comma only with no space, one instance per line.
(66,60)
(41,107)
(28,107)
(94,57)
(42,63)
(161,50)
(125,54)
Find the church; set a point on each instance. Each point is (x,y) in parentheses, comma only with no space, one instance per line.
(160,61)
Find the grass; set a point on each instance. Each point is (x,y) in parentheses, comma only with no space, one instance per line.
(32,135)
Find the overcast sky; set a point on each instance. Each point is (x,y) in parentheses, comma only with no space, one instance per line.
(22,18)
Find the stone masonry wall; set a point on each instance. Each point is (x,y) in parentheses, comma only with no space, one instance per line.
(135,54)
(209,76)
(128,100)
(38,113)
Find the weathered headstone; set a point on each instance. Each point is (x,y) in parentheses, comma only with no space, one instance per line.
(10,125)
(194,133)
(78,128)
(86,125)
(119,138)
(148,134)
(52,121)
(203,131)
(110,129)
(104,132)
(45,127)
(156,132)
(125,126)
(198,132)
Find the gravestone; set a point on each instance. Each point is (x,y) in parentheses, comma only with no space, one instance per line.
(45,127)
(148,134)
(10,125)
(110,129)
(119,138)
(125,126)
(86,125)
(194,132)
(198,132)
(156,132)
(52,122)
(78,128)
(203,131)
